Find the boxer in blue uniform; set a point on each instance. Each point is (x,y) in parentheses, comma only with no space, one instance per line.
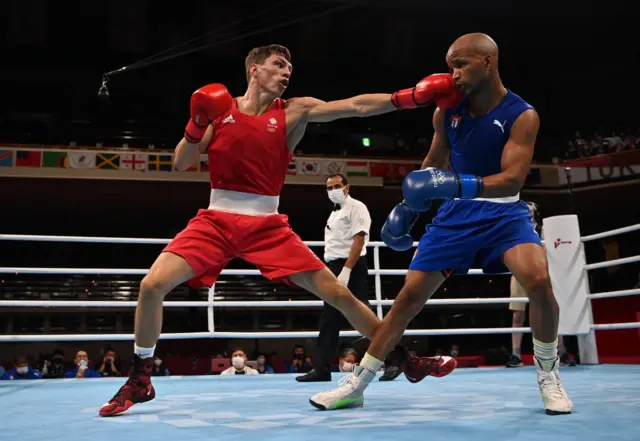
(488,140)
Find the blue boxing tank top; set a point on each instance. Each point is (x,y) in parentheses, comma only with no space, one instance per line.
(476,148)
(477,143)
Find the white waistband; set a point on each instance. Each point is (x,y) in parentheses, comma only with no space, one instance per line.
(504,200)
(243,203)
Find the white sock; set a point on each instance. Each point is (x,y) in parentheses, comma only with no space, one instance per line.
(143,352)
(370,363)
(516,352)
(546,353)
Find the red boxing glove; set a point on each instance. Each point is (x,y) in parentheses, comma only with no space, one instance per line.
(437,87)
(207,103)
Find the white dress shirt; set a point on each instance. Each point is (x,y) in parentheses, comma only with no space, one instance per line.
(343,224)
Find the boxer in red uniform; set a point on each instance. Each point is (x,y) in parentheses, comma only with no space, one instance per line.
(250,141)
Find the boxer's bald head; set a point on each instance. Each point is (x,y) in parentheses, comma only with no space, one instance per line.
(476,43)
(473,60)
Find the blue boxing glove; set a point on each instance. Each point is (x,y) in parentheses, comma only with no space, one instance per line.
(396,229)
(421,186)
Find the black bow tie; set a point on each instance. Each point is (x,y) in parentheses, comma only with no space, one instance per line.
(336,207)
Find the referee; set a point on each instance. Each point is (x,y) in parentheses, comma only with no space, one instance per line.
(345,237)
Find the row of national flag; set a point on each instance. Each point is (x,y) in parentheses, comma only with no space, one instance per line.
(164,162)
(323,167)
(105,161)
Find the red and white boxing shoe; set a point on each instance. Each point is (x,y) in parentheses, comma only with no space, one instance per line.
(416,368)
(137,389)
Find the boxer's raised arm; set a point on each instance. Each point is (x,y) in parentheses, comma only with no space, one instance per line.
(186,153)
(315,110)
(436,88)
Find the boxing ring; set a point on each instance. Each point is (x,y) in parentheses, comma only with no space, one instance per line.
(480,403)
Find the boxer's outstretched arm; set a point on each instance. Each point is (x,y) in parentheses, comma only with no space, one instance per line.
(438,155)
(186,153)
(516,158)
(357,106)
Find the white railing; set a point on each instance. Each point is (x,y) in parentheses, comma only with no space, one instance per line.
(210,304)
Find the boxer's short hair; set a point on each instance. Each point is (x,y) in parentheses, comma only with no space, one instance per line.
(258,55)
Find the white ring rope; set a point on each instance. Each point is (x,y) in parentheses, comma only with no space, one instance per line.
(610,233)
(149,241)
(139,272)
(239,304)
(614,262)
(612,294)
(211,303)
(250,335)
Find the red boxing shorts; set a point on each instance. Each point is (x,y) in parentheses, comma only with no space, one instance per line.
(213,238)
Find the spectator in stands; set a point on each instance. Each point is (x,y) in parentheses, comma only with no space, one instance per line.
(300,363)
(348,359)
(159,369)
(2,371)
(108,366)
(22,371)
(239,365)
(454,350)
(263,367)
(54,368)
(614,142)
(581,144)
(82,367)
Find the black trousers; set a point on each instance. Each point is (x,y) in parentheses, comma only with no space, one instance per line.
(332,320)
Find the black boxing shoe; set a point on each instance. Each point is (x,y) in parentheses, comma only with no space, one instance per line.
(391,373)
(315,375)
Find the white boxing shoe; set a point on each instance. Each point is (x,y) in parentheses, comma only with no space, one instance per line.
(555,398)
(348,394)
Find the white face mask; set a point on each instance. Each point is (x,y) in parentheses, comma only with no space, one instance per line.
(84,363)
(347,367)
(238,362)
(157,362)
(22,370)
(261,360)
(454,353)
(337,196)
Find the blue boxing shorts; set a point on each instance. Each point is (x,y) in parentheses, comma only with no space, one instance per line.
(464,229)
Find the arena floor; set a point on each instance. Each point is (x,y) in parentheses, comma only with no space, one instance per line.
(470,404)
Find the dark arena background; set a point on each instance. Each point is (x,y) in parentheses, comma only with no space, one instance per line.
(74,162)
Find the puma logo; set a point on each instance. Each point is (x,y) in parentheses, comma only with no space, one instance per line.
(499,124)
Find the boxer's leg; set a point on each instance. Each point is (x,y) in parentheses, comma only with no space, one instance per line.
(200,249)
(281,255)
(168,271)
(439,249)
(326,286)
(418,288)
(528,263)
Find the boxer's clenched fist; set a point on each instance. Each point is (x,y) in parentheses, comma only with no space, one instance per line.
(207,103)
(438,88)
